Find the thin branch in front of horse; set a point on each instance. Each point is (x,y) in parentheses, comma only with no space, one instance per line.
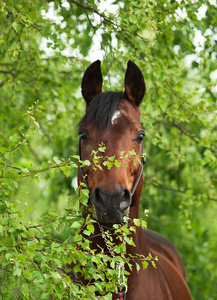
(100,160)
(144,261)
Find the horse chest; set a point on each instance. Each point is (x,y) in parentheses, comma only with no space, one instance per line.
(148,284)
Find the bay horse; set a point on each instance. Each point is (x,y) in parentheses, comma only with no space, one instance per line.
(113,118)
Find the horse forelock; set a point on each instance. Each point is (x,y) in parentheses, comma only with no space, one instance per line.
(102,109)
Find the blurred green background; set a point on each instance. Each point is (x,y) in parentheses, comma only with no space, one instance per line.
(45,47)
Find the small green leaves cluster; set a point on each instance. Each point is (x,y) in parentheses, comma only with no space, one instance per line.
(18,142)
(119,241)
(100,160)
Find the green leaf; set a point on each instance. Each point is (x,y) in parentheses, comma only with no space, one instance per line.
(117,164)
(144,264)
(30,244)
(17,26)
(44,165)
(86,163)
(14,138)
(85,192)
(137,222)
(3,150)
(8,155)
(87,232)
(111,158)
(5,220)
(66,171)
(17,272)
(76,157)
(27,274)
(137,267)
(56,159)
(96,259)
(108,164)
(8,255)
(129,241)
(153,264)
(132,152)
(2,228)
(76,225)
(102,149)
(90,227)
(22,258)
(107,297)
(25,170)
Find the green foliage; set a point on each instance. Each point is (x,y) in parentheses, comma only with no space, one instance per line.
(34,260)
(44,49)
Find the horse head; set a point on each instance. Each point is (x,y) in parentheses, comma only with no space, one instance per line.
(112,119)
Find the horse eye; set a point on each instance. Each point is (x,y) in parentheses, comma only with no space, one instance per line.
(139,137)
(83,135)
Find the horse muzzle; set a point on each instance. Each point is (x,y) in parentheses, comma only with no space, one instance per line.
(111,208)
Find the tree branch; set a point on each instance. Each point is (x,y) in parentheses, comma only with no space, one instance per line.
(161,186)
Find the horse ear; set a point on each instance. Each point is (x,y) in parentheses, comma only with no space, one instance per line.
(92,81)
(134,83)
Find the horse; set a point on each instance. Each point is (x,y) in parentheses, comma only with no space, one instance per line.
(113,118)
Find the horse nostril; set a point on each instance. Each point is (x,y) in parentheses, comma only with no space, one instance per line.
(100,198)
(126,200)
(97,197)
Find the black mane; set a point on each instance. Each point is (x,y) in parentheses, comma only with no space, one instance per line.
(101,109)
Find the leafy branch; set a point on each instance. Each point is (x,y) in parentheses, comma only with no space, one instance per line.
(186,192)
